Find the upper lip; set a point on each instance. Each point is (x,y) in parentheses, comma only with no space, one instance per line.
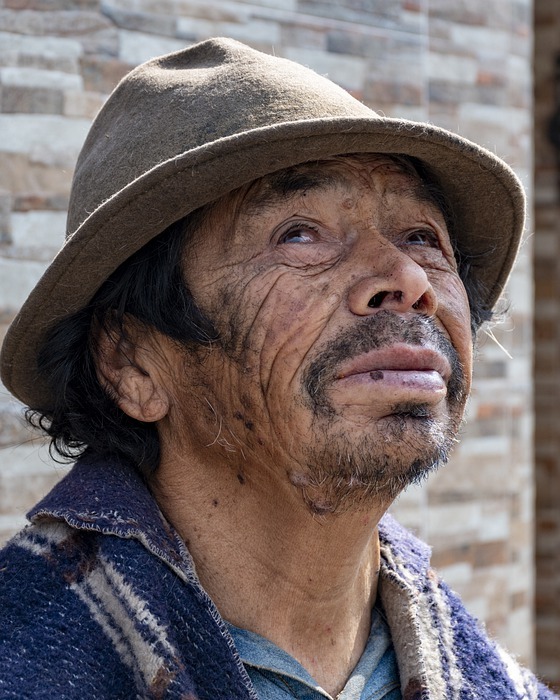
(398,356)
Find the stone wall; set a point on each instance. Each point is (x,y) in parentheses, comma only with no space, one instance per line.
(547,338)
(463,65)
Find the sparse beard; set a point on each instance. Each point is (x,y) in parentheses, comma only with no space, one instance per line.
(404,447)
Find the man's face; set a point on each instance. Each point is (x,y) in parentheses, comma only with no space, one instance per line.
(344,357)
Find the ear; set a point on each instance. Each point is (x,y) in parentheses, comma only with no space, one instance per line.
(128,368)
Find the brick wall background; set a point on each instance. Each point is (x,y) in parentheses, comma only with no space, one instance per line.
(464,65)
(547,338)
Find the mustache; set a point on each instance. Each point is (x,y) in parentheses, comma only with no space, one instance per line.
(374,332)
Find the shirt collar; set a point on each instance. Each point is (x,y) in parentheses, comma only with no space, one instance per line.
(110,497)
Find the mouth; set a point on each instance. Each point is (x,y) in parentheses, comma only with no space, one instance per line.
(400,368)
(399,357)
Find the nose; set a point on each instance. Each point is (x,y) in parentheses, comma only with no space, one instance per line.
(392,281)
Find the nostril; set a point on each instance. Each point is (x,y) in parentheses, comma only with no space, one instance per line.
(377,299)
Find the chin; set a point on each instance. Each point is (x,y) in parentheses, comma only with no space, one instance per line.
(348,472)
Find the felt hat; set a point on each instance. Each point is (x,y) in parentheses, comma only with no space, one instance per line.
(184,129)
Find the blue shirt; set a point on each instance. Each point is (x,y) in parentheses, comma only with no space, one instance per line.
(278,676)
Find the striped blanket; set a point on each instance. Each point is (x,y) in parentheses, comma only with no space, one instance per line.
(99,599)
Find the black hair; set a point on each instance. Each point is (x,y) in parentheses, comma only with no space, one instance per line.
(150,286)
(84,415)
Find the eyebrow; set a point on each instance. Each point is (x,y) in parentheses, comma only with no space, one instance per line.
(289,183)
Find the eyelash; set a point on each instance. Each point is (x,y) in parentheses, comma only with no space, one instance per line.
(297,226)
(432,239)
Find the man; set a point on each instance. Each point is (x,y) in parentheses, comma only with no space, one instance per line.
(258,333)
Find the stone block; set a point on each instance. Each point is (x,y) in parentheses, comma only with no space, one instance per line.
(417,113)
(51,5)
(478,606)
(82,104)
(284,5)
(49,52)
(34,202)
(347,71)
(492,126)
(47,139)
(24,100)
(10,525)
(472,12)
(474,38)
(104,42)
(217,12)
(6,202)
(384,13)
(13,428)
(457,70)
(291,34)
(39,229)
(37,78)
(445,557)
(135,48)
(149,23)
(457,575)
(55,23)
(379,93)
(351,43)
(25,489)
(495,525)
(455,523)
(102,74)
(260,34)
(486,554)
(17,278)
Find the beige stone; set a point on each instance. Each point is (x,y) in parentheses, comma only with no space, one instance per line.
(17,278)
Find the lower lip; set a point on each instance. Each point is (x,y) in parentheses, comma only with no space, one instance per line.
(422,381)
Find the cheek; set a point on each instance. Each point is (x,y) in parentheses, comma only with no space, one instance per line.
(454,313)
(275,317)
(294,318)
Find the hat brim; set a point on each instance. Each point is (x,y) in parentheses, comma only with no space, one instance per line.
(486,196)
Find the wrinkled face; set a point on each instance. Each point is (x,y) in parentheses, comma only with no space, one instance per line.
(344,356)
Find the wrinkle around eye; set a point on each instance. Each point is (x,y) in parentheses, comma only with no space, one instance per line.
(314,258)
(433,259)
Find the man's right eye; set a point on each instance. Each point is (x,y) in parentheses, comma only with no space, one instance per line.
(299,233)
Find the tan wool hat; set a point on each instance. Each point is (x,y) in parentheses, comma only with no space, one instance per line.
(184,129)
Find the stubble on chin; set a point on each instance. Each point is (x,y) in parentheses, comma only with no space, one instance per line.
(344,472)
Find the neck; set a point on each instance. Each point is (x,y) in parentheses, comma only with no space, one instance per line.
(304,582)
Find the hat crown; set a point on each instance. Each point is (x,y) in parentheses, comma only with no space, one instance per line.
(213,90)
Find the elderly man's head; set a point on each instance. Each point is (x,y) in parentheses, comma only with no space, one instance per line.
(262,273)
(315,319)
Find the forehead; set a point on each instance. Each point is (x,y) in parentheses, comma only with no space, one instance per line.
(350,172)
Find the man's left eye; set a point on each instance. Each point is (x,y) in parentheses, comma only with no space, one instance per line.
(423,237)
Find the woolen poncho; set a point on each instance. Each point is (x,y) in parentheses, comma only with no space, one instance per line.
(99,599)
